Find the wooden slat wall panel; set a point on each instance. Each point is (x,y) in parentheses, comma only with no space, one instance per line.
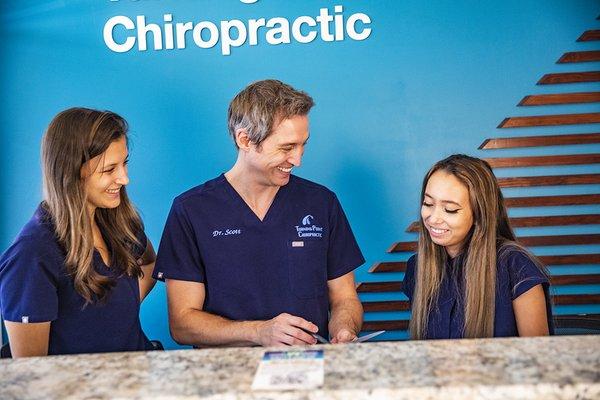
(379,287)
(400,325)
(391,266)
(549,180)
(383,306)
(528,241)
(569,299)
(589,36)
(579,56)
(546,201)
(550,120)
(587,279)
(561,98)
(570,259)
(538,141)
(541,161)
(551,220)
(569,77)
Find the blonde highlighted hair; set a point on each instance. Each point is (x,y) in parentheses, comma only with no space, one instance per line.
(489,236)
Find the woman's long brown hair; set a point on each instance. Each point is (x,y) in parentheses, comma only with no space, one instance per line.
(74,137)
(490,234)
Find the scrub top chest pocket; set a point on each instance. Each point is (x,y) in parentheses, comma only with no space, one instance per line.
(307,263)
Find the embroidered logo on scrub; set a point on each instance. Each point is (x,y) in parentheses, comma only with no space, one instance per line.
(308,228)
(227,232)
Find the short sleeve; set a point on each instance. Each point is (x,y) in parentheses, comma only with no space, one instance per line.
(523,273)
(28,284)
(343,253)
(178,254)
(408,283)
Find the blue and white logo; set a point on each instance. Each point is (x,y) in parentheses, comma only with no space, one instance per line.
(307,220)
(309,228)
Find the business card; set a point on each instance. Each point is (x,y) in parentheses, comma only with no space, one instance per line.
(288,370)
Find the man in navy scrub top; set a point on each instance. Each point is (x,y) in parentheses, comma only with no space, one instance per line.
(258,256)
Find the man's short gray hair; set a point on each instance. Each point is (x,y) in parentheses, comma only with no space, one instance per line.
(262,105)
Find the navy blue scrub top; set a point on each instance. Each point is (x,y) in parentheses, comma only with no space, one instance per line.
(253,269)
(516,274)
(35,287)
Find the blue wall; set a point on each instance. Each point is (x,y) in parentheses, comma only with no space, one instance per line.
(428,82)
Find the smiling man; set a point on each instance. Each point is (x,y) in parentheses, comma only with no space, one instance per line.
(258,256)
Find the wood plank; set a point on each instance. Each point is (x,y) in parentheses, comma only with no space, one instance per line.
(398,325)
(528,241)
(379,287)
(543,161)
(579,56)
(578,321)
(550,220)
(586,279)
(384,306)
(549,180)
(569,77)
(539,141)
(550,120)
(560,98)
(404,305)
(589,36)
(569,299)
(390,266)
(547,201)
(571,259)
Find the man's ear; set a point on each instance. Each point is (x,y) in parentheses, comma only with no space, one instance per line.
(242,139)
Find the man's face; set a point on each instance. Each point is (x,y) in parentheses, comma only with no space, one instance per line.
(280,152)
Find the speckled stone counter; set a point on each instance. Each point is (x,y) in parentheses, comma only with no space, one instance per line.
(566,367)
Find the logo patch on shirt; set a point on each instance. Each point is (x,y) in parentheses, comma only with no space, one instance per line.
(308,228)
(227,232)
(25,319)
(159,275)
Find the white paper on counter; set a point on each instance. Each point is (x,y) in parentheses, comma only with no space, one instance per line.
(285,370)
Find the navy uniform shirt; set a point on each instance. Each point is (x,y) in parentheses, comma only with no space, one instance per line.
(253,269)
(35,287)
(516,274)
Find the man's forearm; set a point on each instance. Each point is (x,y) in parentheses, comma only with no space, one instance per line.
(346,314)
(200,328)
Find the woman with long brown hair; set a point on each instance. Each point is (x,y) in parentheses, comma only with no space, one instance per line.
(74,278)
(470,278)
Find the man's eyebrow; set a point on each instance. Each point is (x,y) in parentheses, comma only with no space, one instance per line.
(445,201)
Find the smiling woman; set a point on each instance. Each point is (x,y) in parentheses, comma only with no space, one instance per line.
(470,278)
(83,258)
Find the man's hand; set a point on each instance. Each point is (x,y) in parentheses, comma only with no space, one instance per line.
(343,336)
(285,329)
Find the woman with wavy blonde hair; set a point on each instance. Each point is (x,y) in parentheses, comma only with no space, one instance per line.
(470,278)
(73,279)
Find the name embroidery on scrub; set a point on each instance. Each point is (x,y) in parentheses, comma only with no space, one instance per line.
(227,232)
(308,228)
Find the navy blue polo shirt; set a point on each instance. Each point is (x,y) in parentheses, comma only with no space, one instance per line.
(253,269)
(516,274)
(35,287)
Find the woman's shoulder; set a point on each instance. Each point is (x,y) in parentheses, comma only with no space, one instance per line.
(36,240)
(511,255)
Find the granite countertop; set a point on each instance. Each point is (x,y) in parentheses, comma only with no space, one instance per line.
(561,367)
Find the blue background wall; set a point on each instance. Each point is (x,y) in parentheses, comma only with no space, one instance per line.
(431,80)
